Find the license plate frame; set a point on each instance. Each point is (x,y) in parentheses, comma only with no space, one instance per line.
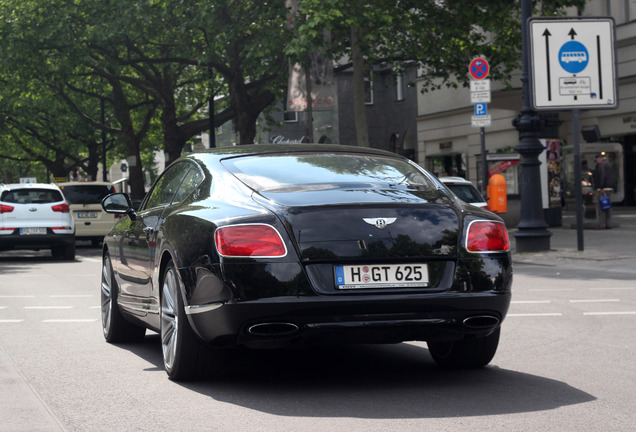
(33,231)
(381,276)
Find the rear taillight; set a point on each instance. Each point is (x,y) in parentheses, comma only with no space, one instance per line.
(487,236)
(62,228)
(251,240)
(63,208)
(5,208)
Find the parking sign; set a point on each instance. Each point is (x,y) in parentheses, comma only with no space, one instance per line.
(481,109)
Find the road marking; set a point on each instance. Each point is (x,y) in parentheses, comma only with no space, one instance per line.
(613,288)
(47,307)
(535,315)
(595,301)
(611,313)
(531,302)
(69,320)
(10,321)
(92,260)
(17,296)
(551,289)
(71,296)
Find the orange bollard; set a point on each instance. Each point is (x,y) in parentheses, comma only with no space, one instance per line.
(497,194)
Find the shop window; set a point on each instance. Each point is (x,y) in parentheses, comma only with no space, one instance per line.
(368,90)
(399,87)
(290,117)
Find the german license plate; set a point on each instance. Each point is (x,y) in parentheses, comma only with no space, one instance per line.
(33,231)
(87,215)
(381,276)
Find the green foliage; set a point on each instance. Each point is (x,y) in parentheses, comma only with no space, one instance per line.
(442,36)
(155,64)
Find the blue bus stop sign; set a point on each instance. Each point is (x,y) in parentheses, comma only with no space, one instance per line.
(573,57)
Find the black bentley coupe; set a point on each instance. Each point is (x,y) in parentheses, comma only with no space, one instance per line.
(273,246)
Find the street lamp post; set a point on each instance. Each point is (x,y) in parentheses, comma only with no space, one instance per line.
(531,234)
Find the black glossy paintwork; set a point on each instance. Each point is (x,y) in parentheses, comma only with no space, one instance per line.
(320,229)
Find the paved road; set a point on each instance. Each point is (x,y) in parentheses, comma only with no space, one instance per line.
(565,362)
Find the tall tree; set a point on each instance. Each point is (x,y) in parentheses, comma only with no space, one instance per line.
(153,61)
(442,36)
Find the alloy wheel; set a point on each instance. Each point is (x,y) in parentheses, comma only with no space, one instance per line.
(107,293)
(169,318)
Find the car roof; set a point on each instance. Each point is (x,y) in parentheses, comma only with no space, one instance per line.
(11,186)
(454,180)
(265,149)
(85,183)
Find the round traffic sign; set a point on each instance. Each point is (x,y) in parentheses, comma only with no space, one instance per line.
(479,68)
(573,57)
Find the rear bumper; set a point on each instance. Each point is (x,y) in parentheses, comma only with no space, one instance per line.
(17,241)
(289,321)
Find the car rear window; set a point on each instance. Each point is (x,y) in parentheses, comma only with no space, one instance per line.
(86,194)
(31,196)
(321,171)
(466,193)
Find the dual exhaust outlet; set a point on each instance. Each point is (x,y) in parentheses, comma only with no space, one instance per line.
(273,329)
(284,329)
(481,322)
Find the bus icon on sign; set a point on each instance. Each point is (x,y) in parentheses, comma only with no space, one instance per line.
(574,56)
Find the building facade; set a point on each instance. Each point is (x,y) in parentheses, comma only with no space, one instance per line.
(391,109)
(448,144)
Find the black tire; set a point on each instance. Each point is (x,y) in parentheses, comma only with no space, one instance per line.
(466,353)
(64,252)
(69,252)
(184,353)
(114,326)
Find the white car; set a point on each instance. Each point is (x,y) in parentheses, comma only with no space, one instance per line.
(36,216)
(85,198)
(465,191)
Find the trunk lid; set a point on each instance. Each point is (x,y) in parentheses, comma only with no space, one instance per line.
(368,224)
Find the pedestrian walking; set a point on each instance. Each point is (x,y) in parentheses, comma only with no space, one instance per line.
(604,181)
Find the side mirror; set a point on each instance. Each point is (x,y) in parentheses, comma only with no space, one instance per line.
(119,204)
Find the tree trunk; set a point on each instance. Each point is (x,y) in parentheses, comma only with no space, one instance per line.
(359,107)
(172,140)
(131,140)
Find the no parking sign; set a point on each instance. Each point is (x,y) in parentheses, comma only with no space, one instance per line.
(478,68)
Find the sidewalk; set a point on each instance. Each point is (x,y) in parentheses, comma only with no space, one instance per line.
(616,245)
(21,409)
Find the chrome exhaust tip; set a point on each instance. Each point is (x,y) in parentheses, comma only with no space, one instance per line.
(481,322)
(273,329)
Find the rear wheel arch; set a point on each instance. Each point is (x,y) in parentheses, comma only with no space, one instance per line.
(185,355)
(166,258)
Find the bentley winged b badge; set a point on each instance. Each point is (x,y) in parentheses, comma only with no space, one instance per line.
(380,223)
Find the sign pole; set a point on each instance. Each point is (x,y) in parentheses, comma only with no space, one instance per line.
(573,68)
(578,187)
(484,162)
(478,69)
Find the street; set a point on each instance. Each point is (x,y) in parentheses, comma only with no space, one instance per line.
(565,362)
